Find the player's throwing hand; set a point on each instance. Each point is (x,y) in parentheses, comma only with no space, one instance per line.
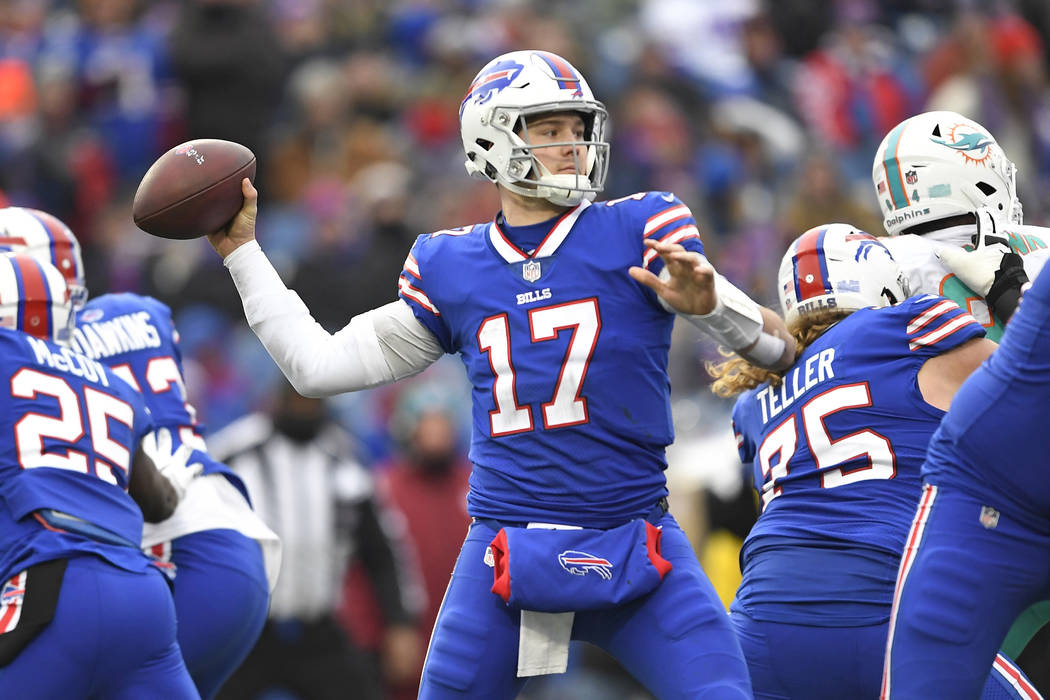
(242,228)
(690,285)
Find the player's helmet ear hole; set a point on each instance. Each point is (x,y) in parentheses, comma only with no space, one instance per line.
(486,145)
(987,189)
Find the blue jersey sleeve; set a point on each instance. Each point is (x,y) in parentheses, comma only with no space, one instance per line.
(935,325)
(661,216)
(412,287)
(993,441)
(745,441)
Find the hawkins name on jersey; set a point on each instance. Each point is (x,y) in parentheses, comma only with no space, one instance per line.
(99,338)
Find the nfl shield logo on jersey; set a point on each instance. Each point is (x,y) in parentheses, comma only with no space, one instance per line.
(530,271)
(989,517)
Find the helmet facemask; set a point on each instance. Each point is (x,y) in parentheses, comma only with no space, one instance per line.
(494,125)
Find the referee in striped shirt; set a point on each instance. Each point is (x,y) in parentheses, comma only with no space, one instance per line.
(309,487)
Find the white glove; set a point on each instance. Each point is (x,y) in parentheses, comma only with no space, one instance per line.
(977,268)
(172,465)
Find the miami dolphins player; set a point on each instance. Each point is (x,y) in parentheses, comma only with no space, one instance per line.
(836,442)
(979,547)
(223,558)
(946,187)
(83,612)
(561,309)
(948,197)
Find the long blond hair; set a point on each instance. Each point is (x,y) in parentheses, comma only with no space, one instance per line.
(736,375)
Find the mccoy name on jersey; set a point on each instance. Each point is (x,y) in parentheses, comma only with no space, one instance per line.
(545,336)
(66,443)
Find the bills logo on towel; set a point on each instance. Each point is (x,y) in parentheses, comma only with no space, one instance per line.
(579,563)
(11,598)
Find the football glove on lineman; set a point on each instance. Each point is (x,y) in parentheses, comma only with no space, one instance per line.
(992,268)
(172,465)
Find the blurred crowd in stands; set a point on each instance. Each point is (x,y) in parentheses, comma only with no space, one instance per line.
(762,115)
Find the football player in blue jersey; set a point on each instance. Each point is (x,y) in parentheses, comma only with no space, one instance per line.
(223,558)
(837,441)
(561,310)
(948,194)
(978,551)
(83,611)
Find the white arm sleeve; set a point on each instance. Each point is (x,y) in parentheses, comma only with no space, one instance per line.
(376,347)
(736,322)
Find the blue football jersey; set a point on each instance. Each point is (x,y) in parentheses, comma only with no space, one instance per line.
(135,336)
(994,442)
(67,439)
(838,446)
(566,354)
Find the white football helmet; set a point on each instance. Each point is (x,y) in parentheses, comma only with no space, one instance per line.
(34,298)
(838,267)
(46,238)
(940,164)
(493,117)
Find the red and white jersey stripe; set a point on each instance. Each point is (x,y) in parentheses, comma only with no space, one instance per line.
(12,596)
(418,295)
(936,323)
(671,225)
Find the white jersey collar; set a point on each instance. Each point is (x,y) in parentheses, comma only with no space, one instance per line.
(511,253)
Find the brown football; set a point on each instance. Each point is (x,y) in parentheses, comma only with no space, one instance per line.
(194,189)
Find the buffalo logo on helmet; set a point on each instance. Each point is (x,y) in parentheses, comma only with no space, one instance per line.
(490,81)
(579,563)
(866,245)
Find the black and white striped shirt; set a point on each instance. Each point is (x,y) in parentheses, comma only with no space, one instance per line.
(320,499)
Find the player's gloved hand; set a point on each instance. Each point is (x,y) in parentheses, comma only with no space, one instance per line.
(991,269)
(173,465)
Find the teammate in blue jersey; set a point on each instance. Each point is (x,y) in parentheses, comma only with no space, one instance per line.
(949,197)
(220,553)
(978,551)
(837,441)
(83,612)
(561,310)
